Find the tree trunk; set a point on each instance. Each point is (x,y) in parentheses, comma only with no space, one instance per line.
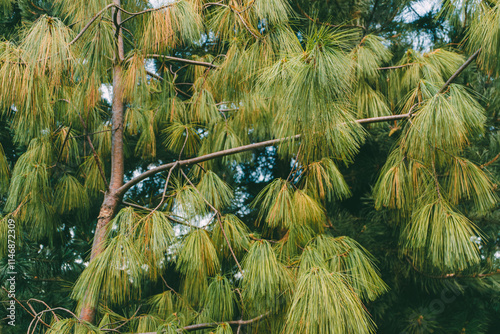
(112,198)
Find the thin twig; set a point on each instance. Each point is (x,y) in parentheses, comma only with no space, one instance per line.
(451,275)
(44,303)
(154,75)
(490,162)
(89,134)
(64,143)
(164,189)
(214,324)
(39,315)
(32,314)
(245,24)
(123,324)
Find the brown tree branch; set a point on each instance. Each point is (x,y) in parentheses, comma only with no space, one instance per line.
(90,133)
(38,317)
(490,162)
(460,70)
(154,75)
(239,149)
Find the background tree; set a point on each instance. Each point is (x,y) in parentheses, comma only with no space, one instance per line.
(205,165)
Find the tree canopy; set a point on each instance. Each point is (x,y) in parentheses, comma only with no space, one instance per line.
(250,166)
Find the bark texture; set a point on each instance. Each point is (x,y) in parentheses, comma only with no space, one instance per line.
(112,198)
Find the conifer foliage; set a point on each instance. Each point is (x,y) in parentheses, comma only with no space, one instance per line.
(131,121)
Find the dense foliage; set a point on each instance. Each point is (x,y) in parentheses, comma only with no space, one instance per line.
(262,166)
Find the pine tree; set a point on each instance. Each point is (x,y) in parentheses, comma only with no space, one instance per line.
(128,125)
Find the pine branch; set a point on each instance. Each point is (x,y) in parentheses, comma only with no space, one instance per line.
(316,21)
(94,153)
(272,142)
(87,26)
(394,67)
(236,150)
(451,275)
(215,324)
(132,15)
(490,162)
(64,143)
(175,220)
(460,70)
(182,60)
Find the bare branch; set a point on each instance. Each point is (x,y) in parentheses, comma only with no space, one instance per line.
(450,275)
(124,322)
(232,323)
(32,314)
(202,158)
(44,303)
(88,134)
(245,24)
(154,75)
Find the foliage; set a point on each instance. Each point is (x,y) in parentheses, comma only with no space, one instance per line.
(205,166)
